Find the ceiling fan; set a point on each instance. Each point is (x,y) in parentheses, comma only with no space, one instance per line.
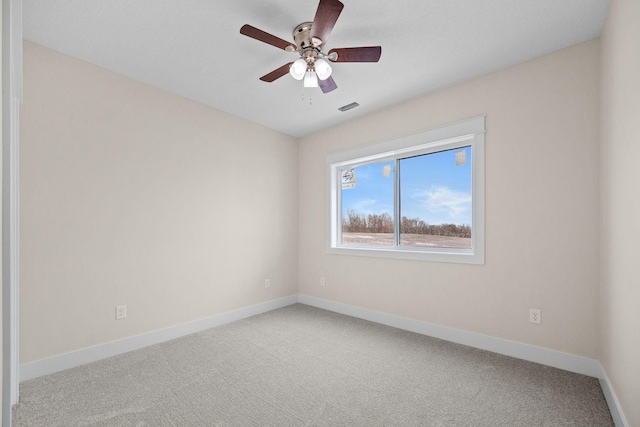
(309,39)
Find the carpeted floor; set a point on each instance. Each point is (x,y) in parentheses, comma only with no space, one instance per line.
(301,366)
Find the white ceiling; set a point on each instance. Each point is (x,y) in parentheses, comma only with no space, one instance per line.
(193,48)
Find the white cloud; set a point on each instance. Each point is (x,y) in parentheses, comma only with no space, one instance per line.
(444,200)
(369,206)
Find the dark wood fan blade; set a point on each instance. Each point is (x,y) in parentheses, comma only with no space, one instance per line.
(327,85)
(358,54)
(265,37)
(276,74)
(326,17)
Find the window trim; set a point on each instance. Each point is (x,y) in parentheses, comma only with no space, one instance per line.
(469,132)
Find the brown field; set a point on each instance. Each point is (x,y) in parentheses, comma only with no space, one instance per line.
(412,240)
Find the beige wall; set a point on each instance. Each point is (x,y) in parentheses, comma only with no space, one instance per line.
(620,184)
(131,195)
(541,209)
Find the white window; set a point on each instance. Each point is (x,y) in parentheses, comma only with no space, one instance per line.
(415,197)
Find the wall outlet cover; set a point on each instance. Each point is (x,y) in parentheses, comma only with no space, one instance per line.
(534,315)
(121,312)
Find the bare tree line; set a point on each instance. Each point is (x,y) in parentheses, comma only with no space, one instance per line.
(383,223)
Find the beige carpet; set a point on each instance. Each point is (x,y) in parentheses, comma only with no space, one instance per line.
(301,366)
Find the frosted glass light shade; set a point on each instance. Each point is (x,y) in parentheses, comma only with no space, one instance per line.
(298,69)
(310,79)
(323,69)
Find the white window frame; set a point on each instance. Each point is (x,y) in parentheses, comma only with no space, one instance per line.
(464,133)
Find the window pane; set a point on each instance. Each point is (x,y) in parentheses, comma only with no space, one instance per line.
(436,200)
(367,205)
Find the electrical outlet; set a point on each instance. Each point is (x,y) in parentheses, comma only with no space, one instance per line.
(322,281)
(534,315)
(121,312)
(267,283)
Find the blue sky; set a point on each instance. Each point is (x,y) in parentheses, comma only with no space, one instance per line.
(432,187)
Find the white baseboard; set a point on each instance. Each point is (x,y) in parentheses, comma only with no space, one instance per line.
(557,359)
(544,356)
(83,356)
(614,405)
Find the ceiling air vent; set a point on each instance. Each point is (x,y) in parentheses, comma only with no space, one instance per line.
(348,106)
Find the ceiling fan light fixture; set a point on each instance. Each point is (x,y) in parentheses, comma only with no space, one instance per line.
(309,39)
(323,69)
(310,79)
(298,69)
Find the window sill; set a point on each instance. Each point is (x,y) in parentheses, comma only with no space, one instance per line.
(459,256)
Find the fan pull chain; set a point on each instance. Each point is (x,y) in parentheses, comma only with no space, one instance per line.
(310,98)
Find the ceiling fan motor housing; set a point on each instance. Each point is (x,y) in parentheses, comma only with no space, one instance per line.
(308,48)
(302,37)
(309,38)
